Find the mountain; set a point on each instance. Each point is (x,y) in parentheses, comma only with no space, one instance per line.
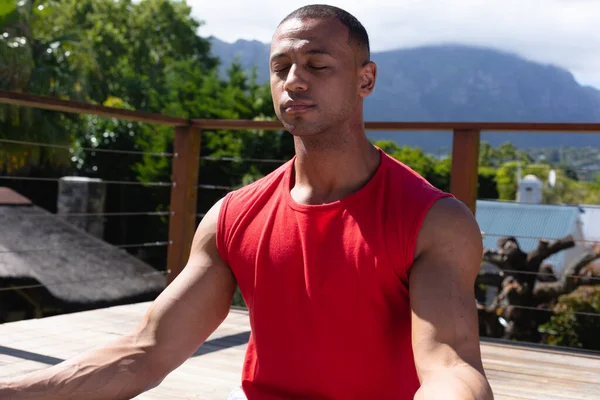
(249,53)
(460,83)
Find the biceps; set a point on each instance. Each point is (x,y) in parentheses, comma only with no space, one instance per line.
(444,315)
(193,305)
(185,314)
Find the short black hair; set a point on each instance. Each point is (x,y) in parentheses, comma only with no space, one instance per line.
(358,34)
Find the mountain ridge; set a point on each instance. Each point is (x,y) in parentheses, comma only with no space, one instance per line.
(454,82)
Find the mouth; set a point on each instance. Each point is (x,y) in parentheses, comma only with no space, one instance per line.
(293,107)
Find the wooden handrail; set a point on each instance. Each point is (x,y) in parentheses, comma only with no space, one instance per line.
(549,127)
(77,107)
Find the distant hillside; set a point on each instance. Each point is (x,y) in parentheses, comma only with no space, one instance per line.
(250,54)
(459,83)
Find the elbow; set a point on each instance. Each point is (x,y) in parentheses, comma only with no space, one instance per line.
(461,382)
(142,363)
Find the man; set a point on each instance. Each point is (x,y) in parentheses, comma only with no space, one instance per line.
(358,274)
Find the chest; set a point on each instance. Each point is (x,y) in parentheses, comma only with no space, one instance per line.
(332,258)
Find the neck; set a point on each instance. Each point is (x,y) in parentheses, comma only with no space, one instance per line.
(332,165)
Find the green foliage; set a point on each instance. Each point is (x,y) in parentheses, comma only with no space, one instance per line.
(569,191)
(413,157)
(435,170)
(493,157)
(574,157)
(487,188)
(36,59)
(575,330)
(238,299)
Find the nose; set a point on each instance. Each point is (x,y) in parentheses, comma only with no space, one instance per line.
(295,81)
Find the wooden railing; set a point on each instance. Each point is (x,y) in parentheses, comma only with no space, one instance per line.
(182,220)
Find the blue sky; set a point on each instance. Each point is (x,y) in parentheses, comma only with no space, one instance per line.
(560,32)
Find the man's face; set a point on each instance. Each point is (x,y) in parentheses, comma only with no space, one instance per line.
(316,75)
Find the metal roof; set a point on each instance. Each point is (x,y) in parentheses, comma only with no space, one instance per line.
(527,222)
(75,266)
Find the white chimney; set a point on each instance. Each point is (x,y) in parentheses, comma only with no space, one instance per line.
(81,195)
(529,190)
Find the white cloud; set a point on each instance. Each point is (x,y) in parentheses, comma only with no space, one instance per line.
(560,32)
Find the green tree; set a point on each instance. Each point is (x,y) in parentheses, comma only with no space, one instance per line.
(35,60)
(494,157)
(566,328)
(415,158)
(487,187)
(487,155)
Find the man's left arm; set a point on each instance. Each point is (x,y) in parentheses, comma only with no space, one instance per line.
(444,316)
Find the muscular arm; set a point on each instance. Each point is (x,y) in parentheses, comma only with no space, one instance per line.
(175,325)
(444,316)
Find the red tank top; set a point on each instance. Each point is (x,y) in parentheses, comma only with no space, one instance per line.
(327,285)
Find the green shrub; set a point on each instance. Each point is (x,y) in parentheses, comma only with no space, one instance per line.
(575,330)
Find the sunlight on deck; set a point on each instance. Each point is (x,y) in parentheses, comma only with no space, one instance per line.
(515,372)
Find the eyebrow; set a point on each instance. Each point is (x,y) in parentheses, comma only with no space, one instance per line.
(308,52)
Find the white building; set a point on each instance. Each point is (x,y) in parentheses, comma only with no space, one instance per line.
(530,190)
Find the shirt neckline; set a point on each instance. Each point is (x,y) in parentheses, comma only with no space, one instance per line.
(287,187)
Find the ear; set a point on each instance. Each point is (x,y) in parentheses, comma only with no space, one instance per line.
(368,75)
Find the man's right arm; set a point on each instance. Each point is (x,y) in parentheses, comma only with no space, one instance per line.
(177,323)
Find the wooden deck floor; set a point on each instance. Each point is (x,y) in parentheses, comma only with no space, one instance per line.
(515,372)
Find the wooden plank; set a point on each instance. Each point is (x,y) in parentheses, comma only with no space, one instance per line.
(524,127)
(515,372)
(538,348)
(417,126)
(70,106)
(543,371)
(537,357)
(524,387)
(235,124)
(465,161)
(182,221)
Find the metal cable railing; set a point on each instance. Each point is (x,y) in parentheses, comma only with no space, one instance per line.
(549,274)
(106,214)
(547,309)
(86,281)
(118,246)
(518,236)
(87,149)
(218,187)
(41,179)
(242,159)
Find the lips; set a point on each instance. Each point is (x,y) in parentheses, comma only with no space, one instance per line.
(296,106)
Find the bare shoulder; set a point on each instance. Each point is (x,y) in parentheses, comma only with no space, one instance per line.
(450,230)
(205,237)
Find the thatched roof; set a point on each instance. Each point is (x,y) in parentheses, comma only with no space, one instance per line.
(75,266)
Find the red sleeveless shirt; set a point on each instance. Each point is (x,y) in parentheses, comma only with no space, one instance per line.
(327,285)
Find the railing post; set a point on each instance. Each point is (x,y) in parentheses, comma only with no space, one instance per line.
(465,162)
(182,220)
